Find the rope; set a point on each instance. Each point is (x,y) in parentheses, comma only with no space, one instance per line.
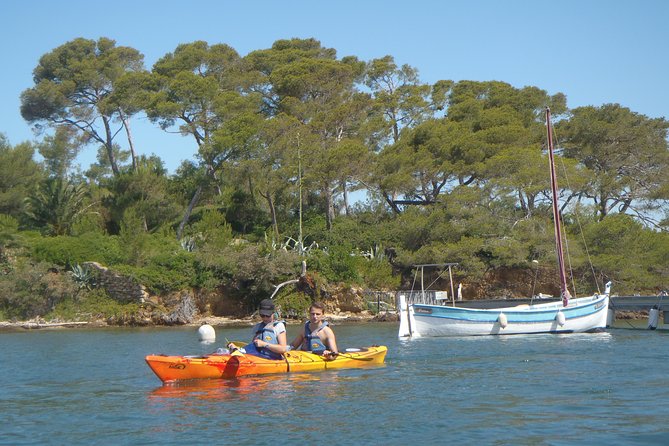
(435,280)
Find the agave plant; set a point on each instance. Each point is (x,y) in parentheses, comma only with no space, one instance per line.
(188,244)
(290,244)
(83,276)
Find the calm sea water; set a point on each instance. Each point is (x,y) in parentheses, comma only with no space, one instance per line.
(93,387)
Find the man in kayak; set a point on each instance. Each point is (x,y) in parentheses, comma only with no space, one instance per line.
(269,336)
(317,336)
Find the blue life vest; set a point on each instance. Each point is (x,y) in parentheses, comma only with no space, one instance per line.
(266,333)
(313,342)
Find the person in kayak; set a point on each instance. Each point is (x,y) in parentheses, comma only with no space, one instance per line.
(269,336)
(317,336)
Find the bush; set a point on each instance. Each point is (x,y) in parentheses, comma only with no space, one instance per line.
(32,290)
(377,274)
(68,251)
(92,305)
(248,271)
(293,304)
(165,272)
(337,264)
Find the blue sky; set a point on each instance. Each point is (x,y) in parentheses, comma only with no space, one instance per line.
(594,51)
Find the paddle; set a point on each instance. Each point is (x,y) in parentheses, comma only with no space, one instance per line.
(348,355)
(235,351)
(354,357)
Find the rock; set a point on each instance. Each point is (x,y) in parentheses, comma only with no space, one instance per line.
(183,313)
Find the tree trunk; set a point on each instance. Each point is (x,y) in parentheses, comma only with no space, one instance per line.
(109,146)
(391,203)
(189,211)
(272,210)
(329,204)
(345,196)
(126,125)
(523,204)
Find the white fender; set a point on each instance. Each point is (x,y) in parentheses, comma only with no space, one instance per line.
(610,317)
(608,288)
(653,318)
(560,318)
(403,308)
(503,322)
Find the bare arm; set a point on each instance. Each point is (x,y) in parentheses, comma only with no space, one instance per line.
(298,341)
(331,340)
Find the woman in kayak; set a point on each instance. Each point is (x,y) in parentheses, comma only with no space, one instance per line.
(317,336)
(269,336)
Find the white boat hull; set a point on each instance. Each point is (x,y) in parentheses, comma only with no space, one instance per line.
(581,315)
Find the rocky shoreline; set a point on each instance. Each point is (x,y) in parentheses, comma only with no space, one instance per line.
(216,321)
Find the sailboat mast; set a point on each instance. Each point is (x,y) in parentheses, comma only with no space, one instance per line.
(556,212)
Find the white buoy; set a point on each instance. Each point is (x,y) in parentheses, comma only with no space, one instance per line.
(653,318)
(560,318)
(503,322)
(206,333)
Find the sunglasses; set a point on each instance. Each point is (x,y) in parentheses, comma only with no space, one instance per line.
(265,315)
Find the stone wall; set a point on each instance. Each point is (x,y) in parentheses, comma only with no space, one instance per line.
(121,288)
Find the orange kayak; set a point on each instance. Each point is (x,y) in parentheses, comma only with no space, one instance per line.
(216,366)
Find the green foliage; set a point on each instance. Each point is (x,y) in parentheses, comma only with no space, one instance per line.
(59,152)
(210,232)
(626,152)
(632,256)
(279,162)
(56,205)
(249,272)
(66,250)
(89,222)
(377,274)
(133,237)
(74,86)
(91,305)
(143,191)
(165,272)
(31,290)
(244,215)
(9,230)
(293,304)
(83,276)
(18,175)
(337,264)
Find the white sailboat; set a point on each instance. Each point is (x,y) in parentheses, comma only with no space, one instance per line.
(570,315)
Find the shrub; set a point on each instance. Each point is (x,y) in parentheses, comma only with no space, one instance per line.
(83,276)
(68,251)
(91,305)
(293,304)
(34,289)
(337,264)
(377,274)
(165,272)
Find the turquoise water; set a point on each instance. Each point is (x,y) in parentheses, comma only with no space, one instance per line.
(93,387)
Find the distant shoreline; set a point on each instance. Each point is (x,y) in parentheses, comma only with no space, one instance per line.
(216,321)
